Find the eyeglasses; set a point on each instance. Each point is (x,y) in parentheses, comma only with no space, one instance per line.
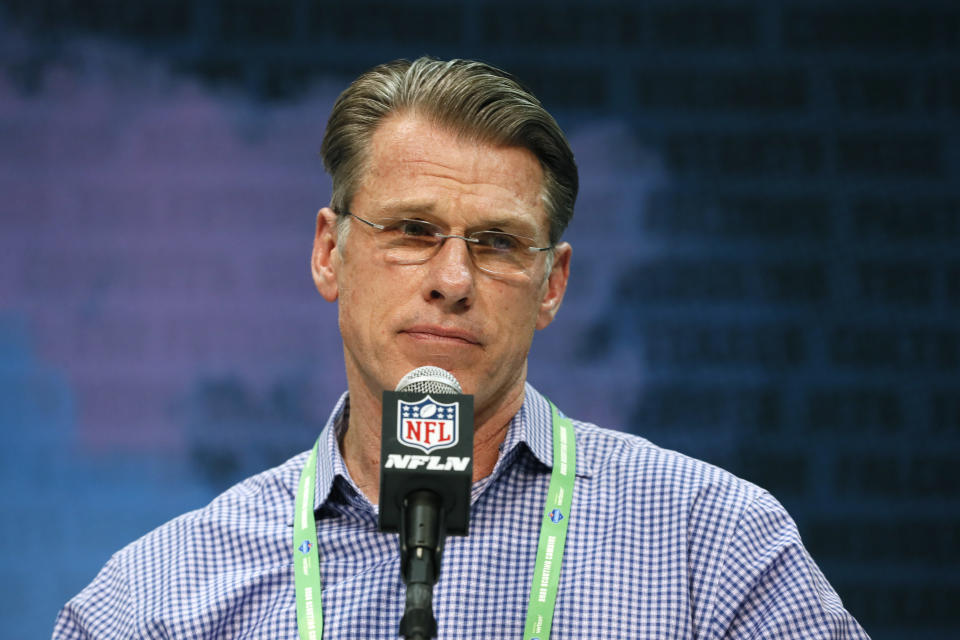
(406,241)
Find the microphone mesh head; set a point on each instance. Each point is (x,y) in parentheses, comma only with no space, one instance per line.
(429,380)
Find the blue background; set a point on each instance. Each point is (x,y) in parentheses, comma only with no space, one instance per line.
(766,260)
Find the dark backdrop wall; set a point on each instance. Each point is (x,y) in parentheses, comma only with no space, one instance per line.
(766,266)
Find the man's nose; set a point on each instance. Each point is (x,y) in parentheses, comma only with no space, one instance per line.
(451,276)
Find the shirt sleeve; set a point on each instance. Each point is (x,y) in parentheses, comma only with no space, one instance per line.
(769,587)
(104,609)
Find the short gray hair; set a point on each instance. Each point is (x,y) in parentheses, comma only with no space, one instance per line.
(472,99)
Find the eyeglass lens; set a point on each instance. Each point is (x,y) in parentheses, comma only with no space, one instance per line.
(416,241)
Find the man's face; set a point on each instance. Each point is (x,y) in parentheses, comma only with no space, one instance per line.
(444,312)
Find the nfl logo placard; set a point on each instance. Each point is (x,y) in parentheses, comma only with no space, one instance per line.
(428,425)
(427,443)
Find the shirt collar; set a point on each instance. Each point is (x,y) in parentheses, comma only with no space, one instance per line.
(330,463)
(532,427)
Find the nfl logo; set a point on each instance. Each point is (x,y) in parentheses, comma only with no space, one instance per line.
(428,425)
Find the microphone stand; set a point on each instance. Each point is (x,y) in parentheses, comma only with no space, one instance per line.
(421,543)
(424,502)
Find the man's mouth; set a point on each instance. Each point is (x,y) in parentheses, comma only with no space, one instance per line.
(434,333)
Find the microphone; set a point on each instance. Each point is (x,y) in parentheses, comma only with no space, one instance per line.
(426,468)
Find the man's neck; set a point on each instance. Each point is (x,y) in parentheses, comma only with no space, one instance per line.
(360,444)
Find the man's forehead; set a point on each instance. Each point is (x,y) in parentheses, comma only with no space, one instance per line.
(414,163)
(411,138)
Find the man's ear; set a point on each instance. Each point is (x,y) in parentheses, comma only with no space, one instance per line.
(325,259)
(556,285)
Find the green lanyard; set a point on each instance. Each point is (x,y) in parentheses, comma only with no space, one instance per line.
(306,558)
(553,531)
(546,572)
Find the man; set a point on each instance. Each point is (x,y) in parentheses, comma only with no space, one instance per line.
(452,187)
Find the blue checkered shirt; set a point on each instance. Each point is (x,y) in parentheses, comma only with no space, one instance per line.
(659,546)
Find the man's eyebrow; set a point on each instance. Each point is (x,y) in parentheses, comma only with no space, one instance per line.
(407,207)
(511,223)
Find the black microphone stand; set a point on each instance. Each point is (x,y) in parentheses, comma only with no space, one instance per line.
(421,545)
(424,502)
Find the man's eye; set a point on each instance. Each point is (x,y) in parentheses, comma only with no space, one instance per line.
(499,241)
(413,228)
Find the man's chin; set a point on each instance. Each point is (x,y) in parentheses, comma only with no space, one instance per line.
(455,359)
(447,363)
